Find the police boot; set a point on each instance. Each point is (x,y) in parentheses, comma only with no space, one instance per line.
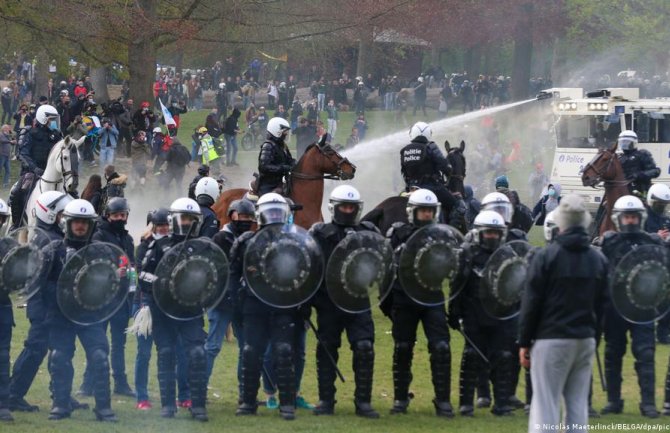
(613,378)
(402,375)
(121,387)
(251,362)
(5,414)
(77,405)
(663,330)
(502,384)
(440,366)
(468,381)
(18,404)
(16,204)
(483,388)
(612,407)
(58,412)
(666,408)
(285,372)
(102,393)
(105,415)
(363,363)
(326,375)
(167,381)
(647,379)
(197,380)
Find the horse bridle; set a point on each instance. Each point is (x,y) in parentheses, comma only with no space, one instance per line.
(329,152)
(599,174)
(66,174)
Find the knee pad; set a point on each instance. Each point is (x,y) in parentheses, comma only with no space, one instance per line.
(99,356)
(470,355)
(645,355)
(612,351)
(364,346)
(59,357)
(283,350)
(165,352)
(197,352)
(404,346)
(439,347)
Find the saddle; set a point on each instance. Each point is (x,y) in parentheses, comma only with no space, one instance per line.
(252,193)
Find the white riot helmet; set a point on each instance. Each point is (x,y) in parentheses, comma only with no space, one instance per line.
(222,86)
(488,221)
(157,130)
(6,90)
(627,140)
(498,202)
(49,204)
(658,197)
(420,129)
(277,127)
(272,208)
(420,79)
(78,210)
(341,195)
(207,191)
(4,212)
(626,205)
(184,213)
(550,227)
(46,114)
(422,198)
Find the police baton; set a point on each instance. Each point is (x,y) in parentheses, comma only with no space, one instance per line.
(325,349)
(470,342)
(603,383)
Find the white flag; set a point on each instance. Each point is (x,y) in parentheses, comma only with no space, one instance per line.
(166,115)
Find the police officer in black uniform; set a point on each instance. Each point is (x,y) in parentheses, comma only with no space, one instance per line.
(80,221)
(345,206)
(6,325)
(274,160)
(492,336)
(34,155)
(203,171)
(207,192)
(628,215)
(406,315)
(263,324)
(423,165)
(112,229)
(185,217)
(638,164)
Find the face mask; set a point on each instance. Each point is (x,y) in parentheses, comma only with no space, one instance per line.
(118,226)
(53,125)
(158,236)
(551,192)
(242,226)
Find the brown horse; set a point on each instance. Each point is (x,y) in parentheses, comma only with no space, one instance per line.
(605,167)
(319,162)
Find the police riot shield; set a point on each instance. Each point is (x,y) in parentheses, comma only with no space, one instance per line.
(640,288)
(94,283)
(427,263)
(358,274)
(192,277)
(283,265)
(503,280)
(26,260)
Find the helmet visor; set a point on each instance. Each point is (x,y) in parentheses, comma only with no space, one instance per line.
(273,213)
(626,143)
(504,209)
(182,222)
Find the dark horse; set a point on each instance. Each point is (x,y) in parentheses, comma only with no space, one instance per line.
(320,161)
(605,167)
(394,209)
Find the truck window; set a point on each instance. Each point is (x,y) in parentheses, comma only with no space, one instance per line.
(586,131)
(652,127)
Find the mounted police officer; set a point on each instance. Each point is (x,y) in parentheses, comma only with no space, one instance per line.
(345,206)
(423,165)
(48,213)
(263,324)
(6,325)
(185,219)
(274,160)
(207,192)
(494,336)
(34,155)
(80,218)
(629,215)
(638,164)
(422,209)
(112,229)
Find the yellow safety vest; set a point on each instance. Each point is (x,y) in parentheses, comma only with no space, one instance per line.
(208,150)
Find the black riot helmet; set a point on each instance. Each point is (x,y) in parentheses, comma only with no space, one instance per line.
(203,170)
(116,205)
(158,216)
(242,207)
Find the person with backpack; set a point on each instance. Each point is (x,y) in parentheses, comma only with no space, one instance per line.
(177,159)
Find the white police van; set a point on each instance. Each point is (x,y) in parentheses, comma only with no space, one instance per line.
(583,123)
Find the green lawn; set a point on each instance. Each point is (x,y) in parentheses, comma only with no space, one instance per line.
(223,392)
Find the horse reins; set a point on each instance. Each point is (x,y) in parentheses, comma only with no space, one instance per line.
(66,174)
(338,176)
(599,174)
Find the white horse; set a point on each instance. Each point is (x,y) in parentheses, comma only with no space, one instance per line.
(61,174)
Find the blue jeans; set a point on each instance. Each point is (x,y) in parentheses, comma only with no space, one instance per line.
(268,375)
(218,324)
(4,164)
(231,146)
(321,101)
(106,156)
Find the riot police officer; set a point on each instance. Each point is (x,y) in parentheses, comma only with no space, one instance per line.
(80,218)
(629,215)
(6,324)
(48,213)
(345,206)
(207,191)
(638,164)
(263,324)
(34,155)
(493,336)
(423,165)
(203,171)
(406,314)
(185,219)
(501,204)
(112,229)
(274,160)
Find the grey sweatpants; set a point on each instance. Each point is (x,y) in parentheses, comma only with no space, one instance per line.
(560,369)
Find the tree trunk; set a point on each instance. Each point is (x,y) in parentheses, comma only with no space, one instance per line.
(41,75)
(467,60)
(434,55)
(142,71)
(475,62)
(99,82)
(365,55)
(523,54)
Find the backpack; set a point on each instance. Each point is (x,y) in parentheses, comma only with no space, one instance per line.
(182,156)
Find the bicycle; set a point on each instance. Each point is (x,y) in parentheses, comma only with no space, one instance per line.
(251,137)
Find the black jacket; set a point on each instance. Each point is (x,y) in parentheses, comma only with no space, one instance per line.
(123,240)
(566,290)
(274,162)
(210,223)
(640,168)
(225,239)
(422,163)
(35,152)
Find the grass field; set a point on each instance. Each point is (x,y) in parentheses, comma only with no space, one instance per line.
(223,392)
